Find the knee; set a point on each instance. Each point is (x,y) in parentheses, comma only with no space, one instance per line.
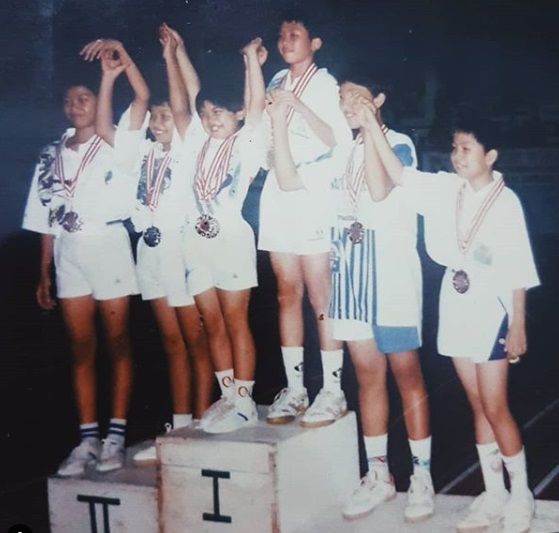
(173,343)
(290,294)
(369,380)
(119,345)
(495,412)
(319,299)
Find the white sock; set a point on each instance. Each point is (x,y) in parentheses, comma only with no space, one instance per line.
(491,467)
(516,468)
(293,363)
(376,450)
(421,455)
(181,420)
(117,428)
(332,362)
(243,394)
(226,383)
(89,431)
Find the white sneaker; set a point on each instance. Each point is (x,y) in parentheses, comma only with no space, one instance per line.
(421,498)
(84,454)
(287,405)
(148,456)
(518,513)
(371,492)
(217,409)
(112,456)
(328,406)
(232,419)
(486,510)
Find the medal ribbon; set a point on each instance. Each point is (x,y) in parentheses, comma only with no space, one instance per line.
(465,240)
(355,180)
(208,183)
(70,185)
(155,180)
(300,86)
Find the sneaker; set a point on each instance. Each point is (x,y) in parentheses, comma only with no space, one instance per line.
(217,409)
(84,454)
(287,405)
(486,510)
(421,498)
(328,406)
(148,456)
(371,492)
(112,456)
(232,419)
(518,513)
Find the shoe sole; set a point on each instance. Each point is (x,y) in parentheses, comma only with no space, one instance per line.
(104,470)
(475,529)
(420,518)
(144,462)
(320,423)
(352,517)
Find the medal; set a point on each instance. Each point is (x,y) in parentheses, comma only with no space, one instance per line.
(460,281)
(355,232)
(71,222)
(300,86)
(152,236)
(209,181)
(207,226)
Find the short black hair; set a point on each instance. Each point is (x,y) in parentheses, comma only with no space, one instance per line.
(470,120)
(376,84)
(225,94)
(309,19)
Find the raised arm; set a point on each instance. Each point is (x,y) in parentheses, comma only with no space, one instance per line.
(188,72)
(286,171)
(254,55)
(178,98)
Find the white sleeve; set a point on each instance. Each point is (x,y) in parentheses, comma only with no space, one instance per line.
(253,149)
(36,214)
(194,137)
(425,190)
(128,142)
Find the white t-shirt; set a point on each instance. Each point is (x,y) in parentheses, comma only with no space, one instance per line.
(100,193)
(247,156)
(500,258)
(135,153)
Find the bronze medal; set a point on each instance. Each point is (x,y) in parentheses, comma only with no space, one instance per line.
(356,232)
(207,226)
(152,236)
(71,222)
(460,281)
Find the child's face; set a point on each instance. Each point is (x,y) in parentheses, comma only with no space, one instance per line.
(80,105)
(219,122)
(469,158)
(348,92)
(295,44)
(162,124)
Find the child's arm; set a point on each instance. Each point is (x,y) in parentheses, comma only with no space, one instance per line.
(188,72)
(286,172)
(515,342)
(43,292)
(178,98)
(320,128)
(254,55)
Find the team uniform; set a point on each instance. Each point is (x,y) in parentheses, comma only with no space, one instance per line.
(481,238)
(219,247)
(376,273)
(160,211)
(298,222)
(79,197)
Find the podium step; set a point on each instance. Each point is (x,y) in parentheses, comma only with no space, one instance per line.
(389,518)
(262,479)
(123,501)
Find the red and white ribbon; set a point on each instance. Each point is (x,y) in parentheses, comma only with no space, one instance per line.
(208,182)
(300,86)
(154,180)
(465,239)
(69,185)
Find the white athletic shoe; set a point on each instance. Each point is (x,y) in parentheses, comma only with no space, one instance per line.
(328,406)
(84,454)
(287,405)
(518,513)
(371,492)
(232,419)
(112,456)
(148,456)
(485,511)
(421,498)
(217,409)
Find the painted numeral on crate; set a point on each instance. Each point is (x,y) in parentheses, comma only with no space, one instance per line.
(216,516)
(92,501)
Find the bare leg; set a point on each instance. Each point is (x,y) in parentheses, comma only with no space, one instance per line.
(79,319)
(114,315)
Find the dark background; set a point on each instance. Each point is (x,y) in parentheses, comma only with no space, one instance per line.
(501,57)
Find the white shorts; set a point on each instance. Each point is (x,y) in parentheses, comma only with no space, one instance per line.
(472,325)
(161,270)
(98,264)
(227,261)
(296,222)
(350,330)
